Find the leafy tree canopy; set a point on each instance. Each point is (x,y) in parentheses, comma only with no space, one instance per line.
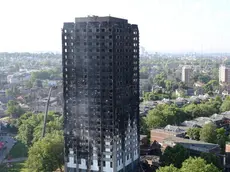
(197,165)
(170,168)
(30,126)
(208,133)
(174,155)
(47,154)
(194,133)
(14,109)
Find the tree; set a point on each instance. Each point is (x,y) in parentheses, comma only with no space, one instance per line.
(160,79)
(221,138)
(143,126)
(12,92)
(218,98)
(170,168)
(40,75)
(204,78)
(30,126)
(163,115)
(154,119)
(197,165)
(211,86)
(38,83)
(170,153)
(192,110)
(29,84)
(215,104)
(168,85)
(208,133)
(14,109)
(194,133)
(225,105)
(211,158)
(204,109)
(47,154)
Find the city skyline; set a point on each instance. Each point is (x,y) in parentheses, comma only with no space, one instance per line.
(165,26)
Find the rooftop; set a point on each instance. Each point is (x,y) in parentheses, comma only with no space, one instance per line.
(94,18)
(191,144)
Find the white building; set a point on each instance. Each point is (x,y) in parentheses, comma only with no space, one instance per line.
(186,75)
(224,74)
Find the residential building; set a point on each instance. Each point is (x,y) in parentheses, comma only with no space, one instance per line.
(186,75)
(160,134)
(224,75)
(193,146)
(101,95)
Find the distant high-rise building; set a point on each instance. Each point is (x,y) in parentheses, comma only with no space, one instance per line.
(101,95)
(186,75)
(224,75)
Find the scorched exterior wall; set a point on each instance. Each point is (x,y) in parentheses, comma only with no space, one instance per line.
(101,93)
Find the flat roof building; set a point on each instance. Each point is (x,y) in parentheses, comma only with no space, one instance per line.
(224,74)
(186,75)
(101,94)
(195,147)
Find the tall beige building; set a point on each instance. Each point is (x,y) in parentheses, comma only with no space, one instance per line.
(186,75)
(224,75)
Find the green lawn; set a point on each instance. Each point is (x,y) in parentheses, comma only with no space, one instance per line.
(16,167)
(18,150)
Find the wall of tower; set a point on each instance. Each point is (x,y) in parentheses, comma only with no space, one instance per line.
(101,93)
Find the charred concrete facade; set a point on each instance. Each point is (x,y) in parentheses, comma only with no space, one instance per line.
(101,93)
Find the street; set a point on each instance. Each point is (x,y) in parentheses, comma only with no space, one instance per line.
(9,142)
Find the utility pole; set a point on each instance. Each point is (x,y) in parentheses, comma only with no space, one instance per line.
(46,112)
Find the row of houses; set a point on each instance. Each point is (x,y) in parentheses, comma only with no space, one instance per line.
(148,105)
(172,135)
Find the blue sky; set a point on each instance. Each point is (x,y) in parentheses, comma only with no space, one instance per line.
(165,25)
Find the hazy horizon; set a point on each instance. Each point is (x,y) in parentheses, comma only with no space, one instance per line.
(164,25)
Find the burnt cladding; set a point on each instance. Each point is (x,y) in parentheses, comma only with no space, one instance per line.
(101,91)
